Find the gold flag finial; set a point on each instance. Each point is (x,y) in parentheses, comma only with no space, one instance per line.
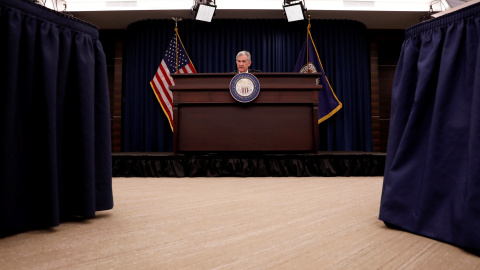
(309,25)
(176,21)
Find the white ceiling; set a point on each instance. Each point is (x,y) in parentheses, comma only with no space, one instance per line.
(375,14)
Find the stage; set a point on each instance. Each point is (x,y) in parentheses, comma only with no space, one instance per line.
(328,164)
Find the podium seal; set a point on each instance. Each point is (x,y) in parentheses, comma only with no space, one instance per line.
(244,87)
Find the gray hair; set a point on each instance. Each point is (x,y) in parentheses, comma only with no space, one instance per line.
(244,53)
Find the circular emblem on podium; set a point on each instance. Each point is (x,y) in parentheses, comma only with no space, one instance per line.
(244,87)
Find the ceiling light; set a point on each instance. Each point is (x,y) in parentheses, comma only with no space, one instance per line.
(204,10)
(294,10)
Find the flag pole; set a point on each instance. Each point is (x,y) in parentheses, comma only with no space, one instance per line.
(176,42)
(309,70)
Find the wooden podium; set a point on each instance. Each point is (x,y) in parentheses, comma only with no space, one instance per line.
(283,117)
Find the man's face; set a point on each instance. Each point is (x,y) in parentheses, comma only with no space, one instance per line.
(243,63)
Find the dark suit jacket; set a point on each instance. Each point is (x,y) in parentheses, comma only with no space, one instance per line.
(250,71)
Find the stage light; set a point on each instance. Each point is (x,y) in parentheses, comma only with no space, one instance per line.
(294,10)
(204,10)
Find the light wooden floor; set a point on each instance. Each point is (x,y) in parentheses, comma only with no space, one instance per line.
(234,223)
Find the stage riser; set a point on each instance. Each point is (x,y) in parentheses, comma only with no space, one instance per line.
(220,165)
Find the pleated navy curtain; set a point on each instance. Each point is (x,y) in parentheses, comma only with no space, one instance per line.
(55,145)
(275,46)
(432,183)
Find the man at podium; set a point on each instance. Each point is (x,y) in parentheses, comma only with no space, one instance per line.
(244,60)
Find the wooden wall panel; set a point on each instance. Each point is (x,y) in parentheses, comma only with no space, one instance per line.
(385,47)
(112,42)
(375,95)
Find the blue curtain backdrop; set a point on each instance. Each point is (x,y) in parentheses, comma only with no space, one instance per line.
(432,172)
(275,46)
(55,146)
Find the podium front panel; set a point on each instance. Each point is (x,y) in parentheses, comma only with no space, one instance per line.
(283,118)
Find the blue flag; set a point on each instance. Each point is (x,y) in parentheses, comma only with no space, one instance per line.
(309,62)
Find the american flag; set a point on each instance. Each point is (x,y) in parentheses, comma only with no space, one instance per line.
(175,60)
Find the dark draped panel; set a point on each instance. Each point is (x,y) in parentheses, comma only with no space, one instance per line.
(327,164)
(432,172)
(55,146)
(275,46)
